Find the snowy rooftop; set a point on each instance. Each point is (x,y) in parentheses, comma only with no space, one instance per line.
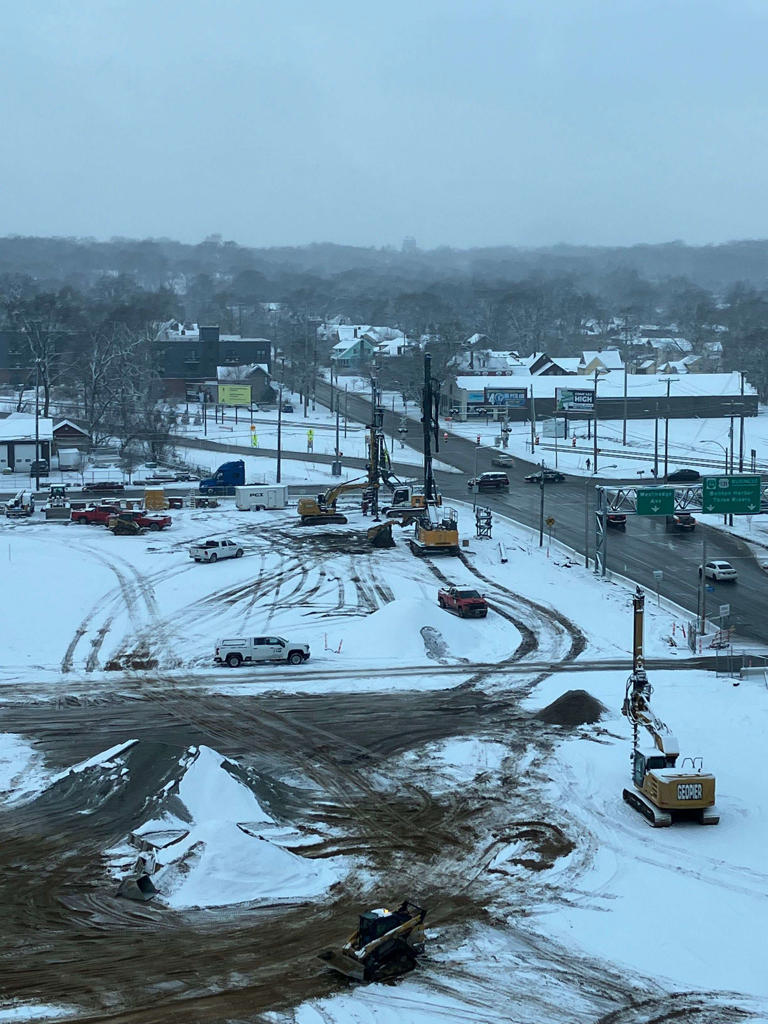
(611,385)
(20,426)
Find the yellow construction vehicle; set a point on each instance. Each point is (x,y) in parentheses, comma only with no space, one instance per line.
(436,532)
(407,503)
(322,509)
(662,792)
(385,943)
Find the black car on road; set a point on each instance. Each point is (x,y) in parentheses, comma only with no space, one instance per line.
(547,476)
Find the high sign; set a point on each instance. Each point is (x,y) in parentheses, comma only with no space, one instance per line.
(655,501)
(514,398)
(569,398)
(737,494)
(234,394)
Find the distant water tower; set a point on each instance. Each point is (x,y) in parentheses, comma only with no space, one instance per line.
(409,244)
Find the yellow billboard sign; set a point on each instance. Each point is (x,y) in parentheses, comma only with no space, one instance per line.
(234,394)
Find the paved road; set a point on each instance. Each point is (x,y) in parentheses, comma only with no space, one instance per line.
(645,546)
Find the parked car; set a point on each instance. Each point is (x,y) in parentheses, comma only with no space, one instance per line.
(550,476)
(681,521)
(214,550)
(502,459)
(287,407)
(186,477)
(151,520)
(718,569)
(684,476)
(97,486)
(616,520)
(467,603)
(260,648)
(38,466)
(490,482)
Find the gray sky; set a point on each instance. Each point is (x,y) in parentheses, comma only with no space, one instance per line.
(460,122)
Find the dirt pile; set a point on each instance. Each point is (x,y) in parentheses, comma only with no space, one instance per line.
(575,707)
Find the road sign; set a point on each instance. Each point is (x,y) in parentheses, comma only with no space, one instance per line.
(658,575)
(725,609)
(737,494)
(655,501)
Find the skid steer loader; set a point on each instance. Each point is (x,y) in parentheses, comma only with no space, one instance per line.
(385,943)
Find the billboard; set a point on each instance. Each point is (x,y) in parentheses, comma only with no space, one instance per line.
(234,394)
(567,399)
(511,398)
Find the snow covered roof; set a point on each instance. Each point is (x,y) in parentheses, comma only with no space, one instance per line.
(611,385)
(609,357)
(239,372)
(20,426)
(74,426)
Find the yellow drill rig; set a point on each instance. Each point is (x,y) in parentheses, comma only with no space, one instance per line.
(661,791)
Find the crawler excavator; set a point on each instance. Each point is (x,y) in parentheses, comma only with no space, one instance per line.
(322,509)
(661,791)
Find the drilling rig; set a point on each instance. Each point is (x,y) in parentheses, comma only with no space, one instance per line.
(661,791)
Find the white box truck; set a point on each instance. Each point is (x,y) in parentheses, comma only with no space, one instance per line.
(261,496)
(69,459)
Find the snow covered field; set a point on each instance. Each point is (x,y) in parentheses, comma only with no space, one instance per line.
(587,911)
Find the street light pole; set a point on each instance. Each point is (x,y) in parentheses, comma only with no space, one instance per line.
(279,433)
(594,460)
(37,425)
(541,506)
(474,485)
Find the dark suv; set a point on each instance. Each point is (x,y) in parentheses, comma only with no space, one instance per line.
(684,476)
(490,482)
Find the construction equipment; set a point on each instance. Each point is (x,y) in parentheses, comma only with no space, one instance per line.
(322,509)
(380,535)
(408,503)
(57,506)
(662,792)
(436,532)
(23,504)
(124,524)
(386,943)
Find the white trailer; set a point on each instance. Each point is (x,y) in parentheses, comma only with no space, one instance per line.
(69,458)
(261,496)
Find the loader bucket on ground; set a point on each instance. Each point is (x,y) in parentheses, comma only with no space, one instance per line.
(141,889)
(342,963)
(380,535)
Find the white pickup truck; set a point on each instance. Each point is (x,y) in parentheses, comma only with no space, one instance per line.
(214,550)
(259,648)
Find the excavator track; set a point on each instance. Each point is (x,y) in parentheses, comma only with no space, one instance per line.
(656,817)
(319,520)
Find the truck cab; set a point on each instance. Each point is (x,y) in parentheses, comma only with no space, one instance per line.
(226,478)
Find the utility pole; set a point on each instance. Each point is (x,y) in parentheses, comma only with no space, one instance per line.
(730,514)
(279,433)
(741,427)
(666,428)
(346,407)
(586,522)
(541,506)
(37,425)
(703,589)
(624,431)
(656,443)
(594,400)
(533,422)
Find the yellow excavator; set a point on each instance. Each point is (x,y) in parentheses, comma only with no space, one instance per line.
(436,532)
(661,791)
(322,509)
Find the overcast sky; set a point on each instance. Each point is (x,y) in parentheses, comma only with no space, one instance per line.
(458,122)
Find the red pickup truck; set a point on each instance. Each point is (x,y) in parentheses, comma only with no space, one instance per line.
(465,602)
(100,514)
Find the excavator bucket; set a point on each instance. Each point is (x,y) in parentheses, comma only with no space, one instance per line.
(344,964)
(141,889)
(380,535)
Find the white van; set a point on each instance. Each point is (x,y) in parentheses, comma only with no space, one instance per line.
(261,496)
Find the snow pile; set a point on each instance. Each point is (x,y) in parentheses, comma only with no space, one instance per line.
(217,863)
(396,630)
(30,1013)
(21,773)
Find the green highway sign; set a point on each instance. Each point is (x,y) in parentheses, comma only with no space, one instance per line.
(737,494)
(655,501)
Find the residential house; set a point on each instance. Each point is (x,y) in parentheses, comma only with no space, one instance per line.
(600,360)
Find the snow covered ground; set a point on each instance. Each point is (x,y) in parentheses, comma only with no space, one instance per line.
(651,912)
